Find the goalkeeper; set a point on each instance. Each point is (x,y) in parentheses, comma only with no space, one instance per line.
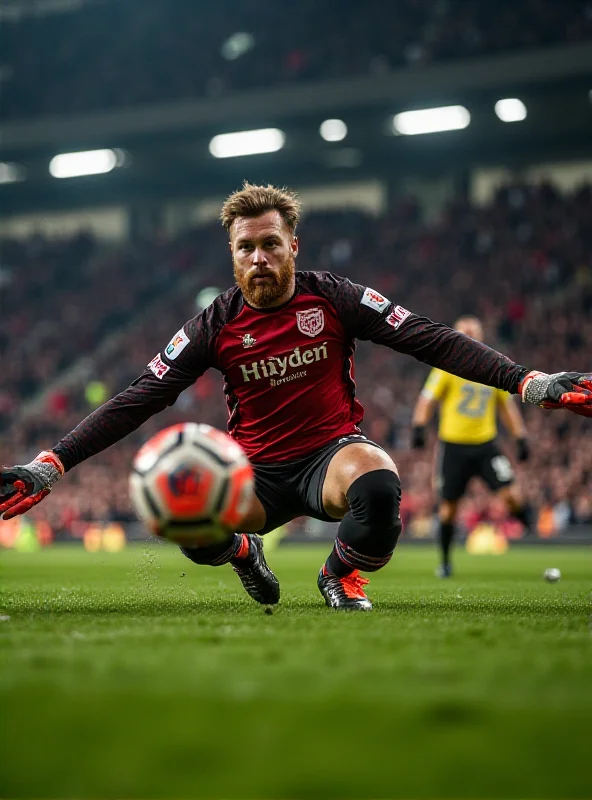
(284,339)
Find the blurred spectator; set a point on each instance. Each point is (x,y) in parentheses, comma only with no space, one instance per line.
(111,54)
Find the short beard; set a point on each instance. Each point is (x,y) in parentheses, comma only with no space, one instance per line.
(266,294)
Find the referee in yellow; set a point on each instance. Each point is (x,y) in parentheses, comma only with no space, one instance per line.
(467,445)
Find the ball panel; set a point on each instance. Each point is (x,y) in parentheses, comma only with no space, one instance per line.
(186,492)
(139,500)
(156,447)
(225,447)
(240,490)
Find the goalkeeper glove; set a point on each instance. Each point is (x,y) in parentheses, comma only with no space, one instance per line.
(418,437)
(22,487)
(569,390)
(522,449)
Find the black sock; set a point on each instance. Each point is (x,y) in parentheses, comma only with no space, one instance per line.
(446,537)
(215,554)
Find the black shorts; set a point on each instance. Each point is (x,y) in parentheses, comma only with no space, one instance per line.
(458,463)
(295,488)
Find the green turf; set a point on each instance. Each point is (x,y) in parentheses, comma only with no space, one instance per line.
(140,675)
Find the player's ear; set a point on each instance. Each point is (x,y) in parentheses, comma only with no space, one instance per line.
(294,244)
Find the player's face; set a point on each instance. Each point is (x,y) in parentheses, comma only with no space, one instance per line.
(263,256)
(472,328)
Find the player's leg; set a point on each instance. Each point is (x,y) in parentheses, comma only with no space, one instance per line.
(244,551)
(516,506)
(497,472)
(454,470)
(446,532)
(362,488)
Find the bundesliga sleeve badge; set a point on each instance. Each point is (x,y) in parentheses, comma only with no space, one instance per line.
(374,300)
(177,344)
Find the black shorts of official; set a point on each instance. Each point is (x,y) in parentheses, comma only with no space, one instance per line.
(295,488)
(458,463)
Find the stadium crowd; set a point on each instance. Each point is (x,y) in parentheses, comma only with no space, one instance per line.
(522,263)
(106,54)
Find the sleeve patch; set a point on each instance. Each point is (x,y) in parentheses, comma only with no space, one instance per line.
(158,367)
(177,344)
(397,316)
(374,300)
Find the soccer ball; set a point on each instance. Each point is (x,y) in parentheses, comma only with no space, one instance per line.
(552,574)
(191,484)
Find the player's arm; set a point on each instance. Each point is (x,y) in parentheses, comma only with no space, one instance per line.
(165,377)
(424,408)
(368,315)
(514,423)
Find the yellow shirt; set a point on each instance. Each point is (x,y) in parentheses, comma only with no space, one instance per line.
(467,409)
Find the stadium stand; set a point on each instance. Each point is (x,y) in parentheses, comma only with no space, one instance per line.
(522,263)
(101,55)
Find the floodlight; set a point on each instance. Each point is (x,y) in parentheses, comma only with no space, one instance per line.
(11,172)
(510,109)
(237,45)
(333,130)
(86,162)
(431,120)
(247,143)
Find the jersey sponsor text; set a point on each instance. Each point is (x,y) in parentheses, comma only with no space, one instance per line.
(278,366)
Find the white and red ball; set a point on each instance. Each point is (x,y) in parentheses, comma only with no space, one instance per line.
(191,484)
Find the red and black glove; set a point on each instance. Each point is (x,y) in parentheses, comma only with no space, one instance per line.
(22,487)
(569,390)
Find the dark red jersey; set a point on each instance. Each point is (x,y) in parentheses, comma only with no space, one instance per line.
(288,371)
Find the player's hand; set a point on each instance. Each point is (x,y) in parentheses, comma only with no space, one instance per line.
(522,449)
(22,487)
(418,437)
(570,390)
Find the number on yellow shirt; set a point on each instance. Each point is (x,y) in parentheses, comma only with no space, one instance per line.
(473,400)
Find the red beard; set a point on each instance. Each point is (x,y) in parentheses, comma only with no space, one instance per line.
(268,293)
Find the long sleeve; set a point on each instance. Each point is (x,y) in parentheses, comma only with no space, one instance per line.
(367,315)
(186,357)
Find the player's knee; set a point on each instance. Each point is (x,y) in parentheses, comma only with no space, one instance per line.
(447,512)
(375,498)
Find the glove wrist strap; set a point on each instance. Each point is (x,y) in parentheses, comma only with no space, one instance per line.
(49,457)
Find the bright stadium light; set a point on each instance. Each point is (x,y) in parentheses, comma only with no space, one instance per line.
(431,120)
(11,172)
(510,109)
(247,143)
(86,162)
(237,45)
(333,130)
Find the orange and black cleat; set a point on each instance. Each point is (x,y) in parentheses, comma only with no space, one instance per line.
(251,567)
(347,593)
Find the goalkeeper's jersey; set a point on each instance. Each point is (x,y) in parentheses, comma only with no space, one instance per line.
(288,371)
(468,411)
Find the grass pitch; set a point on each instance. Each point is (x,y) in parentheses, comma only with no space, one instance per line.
(140,675)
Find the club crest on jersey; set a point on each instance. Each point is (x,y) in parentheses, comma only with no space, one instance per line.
(248,340)
(374,300)
(310,322)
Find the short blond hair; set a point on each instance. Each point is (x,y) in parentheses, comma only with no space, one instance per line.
(252,201)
